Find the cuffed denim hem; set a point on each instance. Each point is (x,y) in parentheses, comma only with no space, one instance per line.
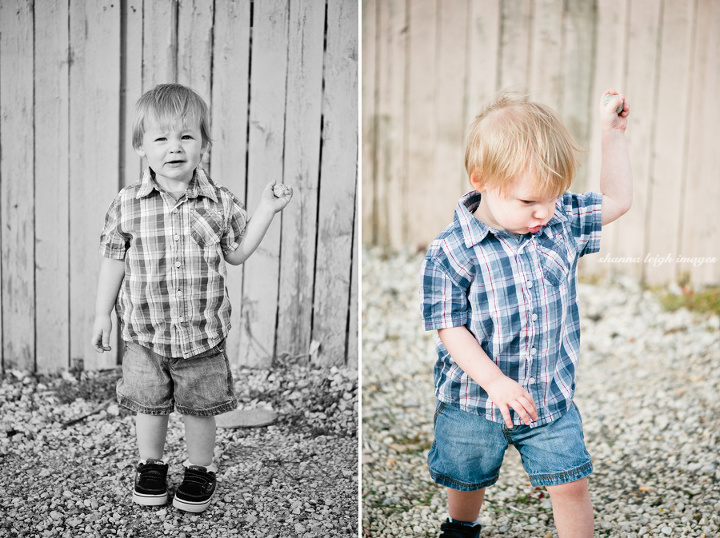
(138,408)
(562,477)
(448,482)
(211,412)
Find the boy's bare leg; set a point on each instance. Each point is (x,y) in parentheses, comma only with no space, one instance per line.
(150,431)
(200,439)
(465,505)
(572,509)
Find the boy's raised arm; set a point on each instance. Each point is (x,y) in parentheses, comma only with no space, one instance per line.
(259,223)
(112,272)
(504,392)
(615,173)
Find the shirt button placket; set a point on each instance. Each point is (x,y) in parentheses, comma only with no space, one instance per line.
(177,255)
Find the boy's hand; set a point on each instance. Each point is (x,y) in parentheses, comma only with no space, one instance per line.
(506,393)
(101,334)
(609,117)
(276,196)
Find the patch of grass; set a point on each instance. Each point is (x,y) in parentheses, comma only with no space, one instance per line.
(705,301)
(535,496)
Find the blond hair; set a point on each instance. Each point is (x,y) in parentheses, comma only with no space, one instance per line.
(169,105)
(512,135)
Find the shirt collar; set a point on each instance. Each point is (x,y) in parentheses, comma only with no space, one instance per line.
(474,230)
(200,185)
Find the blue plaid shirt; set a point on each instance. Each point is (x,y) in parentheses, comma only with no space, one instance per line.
(517,296)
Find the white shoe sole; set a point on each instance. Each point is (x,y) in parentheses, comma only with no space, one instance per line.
(149,500)
(194,507)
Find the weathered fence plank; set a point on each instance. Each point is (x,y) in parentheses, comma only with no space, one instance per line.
(609,73)
(231,70)
(515,44)
(392,125)
(303,119)
(666,173)
(420,102)
(132,87)
(51,178)
(643,21)
(576,102)
(195,42)
(389,127)
(94,159)
(451,64)
(483,55)
(160,42)
(700,229)
(17,187)
(548,49)
(369,62)
(337,193)
(266,135)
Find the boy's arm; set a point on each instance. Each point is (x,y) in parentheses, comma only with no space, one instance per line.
(112,272)
(615,173)
(259,223)
(503,391)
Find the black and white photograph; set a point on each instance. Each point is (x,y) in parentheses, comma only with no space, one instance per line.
(179,321)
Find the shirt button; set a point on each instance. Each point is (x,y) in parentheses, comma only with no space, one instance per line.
(533,351)
(178,264)
(529,284)
(177,237)
(181,318)
(534,317)
(532,381)
(179,293)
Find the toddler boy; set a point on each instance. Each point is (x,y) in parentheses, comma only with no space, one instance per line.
(164,244)
(499,286)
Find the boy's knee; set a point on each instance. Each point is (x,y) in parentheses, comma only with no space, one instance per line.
(576,489)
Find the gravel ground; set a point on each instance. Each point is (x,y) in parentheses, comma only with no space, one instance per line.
(297,477)
(648,390)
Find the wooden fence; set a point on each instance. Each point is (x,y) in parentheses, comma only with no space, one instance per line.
(280,77)
(429,65)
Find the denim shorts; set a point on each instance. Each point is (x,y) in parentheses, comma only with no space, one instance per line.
(155,385)
(469,449)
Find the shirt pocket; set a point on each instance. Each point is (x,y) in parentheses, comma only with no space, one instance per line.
(206,226)
(554,260)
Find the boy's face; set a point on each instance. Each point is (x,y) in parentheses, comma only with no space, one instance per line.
(519,210)
(173,152)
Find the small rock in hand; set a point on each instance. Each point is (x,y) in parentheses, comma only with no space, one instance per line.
(279,190)
(609,97)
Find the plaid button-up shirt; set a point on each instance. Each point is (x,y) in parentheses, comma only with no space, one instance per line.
(517,296)
(173,298)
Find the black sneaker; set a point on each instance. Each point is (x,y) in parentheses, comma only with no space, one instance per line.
(151,483)
(450,529)
(196,491)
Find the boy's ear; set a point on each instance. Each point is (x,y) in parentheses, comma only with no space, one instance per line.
(140,151)
(476,180)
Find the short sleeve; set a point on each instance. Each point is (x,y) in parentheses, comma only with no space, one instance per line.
(113,243)
(236,225)
(584,214)
(443,295)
